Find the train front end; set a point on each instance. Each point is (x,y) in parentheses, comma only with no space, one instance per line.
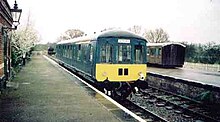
(121,63)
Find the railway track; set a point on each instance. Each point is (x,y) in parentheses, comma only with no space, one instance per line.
(158,105)
(145,114)
(133,109)
(174,107)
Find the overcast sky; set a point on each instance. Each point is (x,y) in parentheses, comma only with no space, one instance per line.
(196,21)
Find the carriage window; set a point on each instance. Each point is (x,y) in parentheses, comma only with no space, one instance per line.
(64,47)
(153,51)
(79,52)
(138,54)
(73,51)
(68,51)
(159,51)
(91,53)
(148,52)
(106,53)
(124,53)
(102,54)
(84,52)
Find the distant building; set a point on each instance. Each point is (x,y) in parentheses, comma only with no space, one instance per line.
(6,20)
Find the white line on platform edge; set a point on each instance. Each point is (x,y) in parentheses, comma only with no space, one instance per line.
(107,97)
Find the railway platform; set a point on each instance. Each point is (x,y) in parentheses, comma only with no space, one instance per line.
(43,92)
(198,76)
(197,85)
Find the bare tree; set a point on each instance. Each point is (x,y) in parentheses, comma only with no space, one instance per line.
(70,34)
(109,28)
(61,38)
(137,29)
(156,36)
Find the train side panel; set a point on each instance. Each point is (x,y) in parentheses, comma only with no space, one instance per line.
(173,55)
(154,55)
(181,56)
(78,57)
(115,58)
(166,54)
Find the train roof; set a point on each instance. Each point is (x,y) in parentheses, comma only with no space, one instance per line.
(105,34)
(120,34)
(164,44)
(78,39)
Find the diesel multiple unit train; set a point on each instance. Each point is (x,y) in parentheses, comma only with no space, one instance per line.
(115,60)
(166,54)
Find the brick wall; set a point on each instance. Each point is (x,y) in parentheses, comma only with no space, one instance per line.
(185,88)
(5,21)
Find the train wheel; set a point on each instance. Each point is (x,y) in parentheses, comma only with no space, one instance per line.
(124,91)
(107,88)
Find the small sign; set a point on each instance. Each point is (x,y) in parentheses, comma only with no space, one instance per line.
(123,40)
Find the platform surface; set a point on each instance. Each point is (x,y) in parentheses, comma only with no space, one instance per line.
(43,92)
(204,77)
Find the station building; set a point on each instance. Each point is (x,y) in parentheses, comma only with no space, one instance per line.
(6,21)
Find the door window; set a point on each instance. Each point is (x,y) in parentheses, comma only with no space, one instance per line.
(138,54)
(106,54)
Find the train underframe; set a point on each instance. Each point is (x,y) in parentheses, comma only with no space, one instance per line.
(122,89)
(113,89)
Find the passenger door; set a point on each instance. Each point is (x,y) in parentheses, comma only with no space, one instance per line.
(139,53)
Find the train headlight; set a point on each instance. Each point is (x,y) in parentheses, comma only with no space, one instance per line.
(141,76)
(104,74)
